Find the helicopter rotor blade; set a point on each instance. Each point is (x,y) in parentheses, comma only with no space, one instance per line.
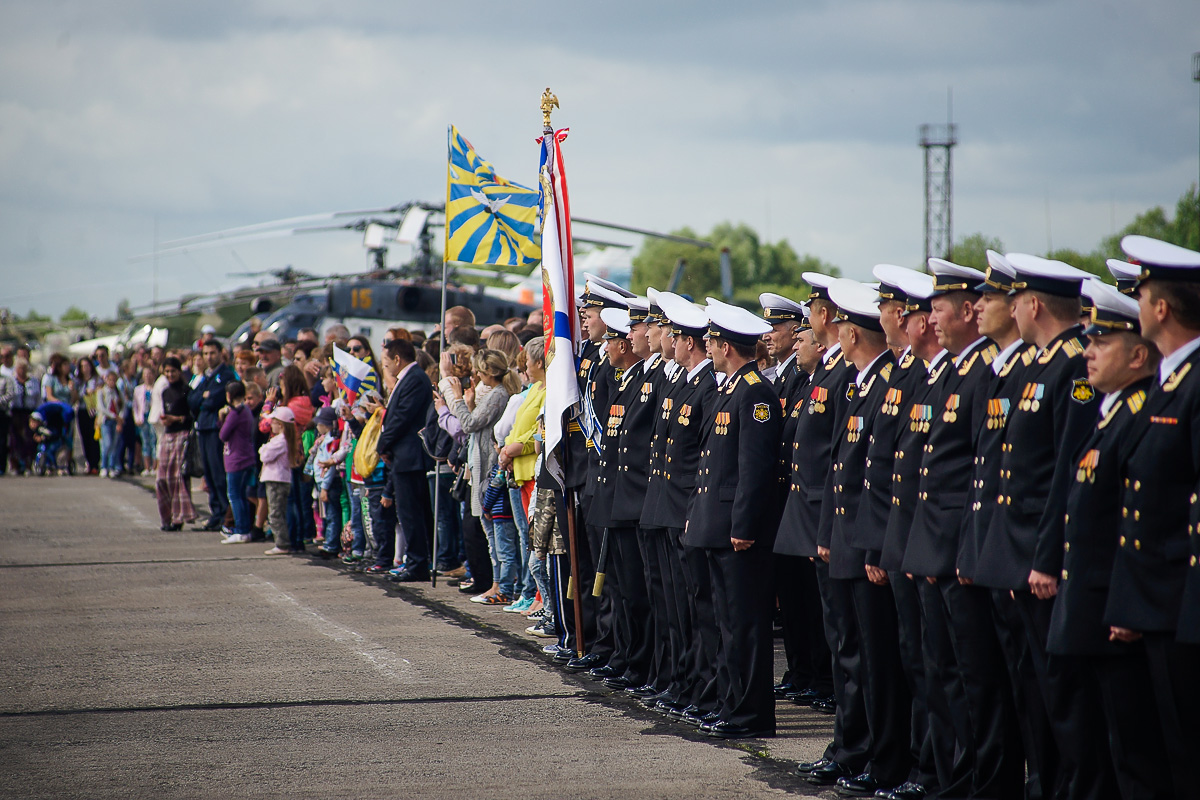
(643,232)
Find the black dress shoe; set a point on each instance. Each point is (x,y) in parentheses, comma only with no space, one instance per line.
(784,687)
(672,710)
(583,663)
(643,691)
(829,774)
(692,716)
(618,682)
(728,730)
(805,767)
(707,725)
(602,673)
(563,656)
(827,705)
(861,786)
(805,697)
(906,791)
(175,526)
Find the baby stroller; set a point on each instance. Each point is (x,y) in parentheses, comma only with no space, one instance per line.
(52,424)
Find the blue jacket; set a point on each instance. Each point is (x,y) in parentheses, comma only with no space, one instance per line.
(208,398)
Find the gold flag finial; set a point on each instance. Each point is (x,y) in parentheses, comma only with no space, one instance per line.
(549,101)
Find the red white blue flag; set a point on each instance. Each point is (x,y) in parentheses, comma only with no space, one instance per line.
(349,372)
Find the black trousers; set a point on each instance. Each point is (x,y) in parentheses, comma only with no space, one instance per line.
(631,605)
(997,769)
(657,627)
(908,627)
(851,734)
(5,427)
(808,658)
(1135,733)
(414,512)
(568,636)
(597,611)
(211,450)
(677,591)
(1174,668)
(475,545)
(1072,699)
(667,594)
(706,669)
(949,720)
(87,437)
(744,602)
(889,704)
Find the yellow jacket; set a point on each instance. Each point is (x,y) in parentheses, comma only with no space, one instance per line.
(523,429)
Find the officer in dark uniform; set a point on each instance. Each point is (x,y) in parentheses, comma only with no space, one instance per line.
(682,413)
(733,515)
(1154,591)
(785,317)
(819,412)
(1108,701)
(1054,413)
(848,534)
(893,471)
(997,757)
(624,583)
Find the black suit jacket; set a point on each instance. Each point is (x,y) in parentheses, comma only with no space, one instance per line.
(816,413)
(580,450)
(407,410)
(736,494)
(1161,463)
(633,445)
(944,483)
(848,538)
(1091,521)
(1052,413)
(627,386)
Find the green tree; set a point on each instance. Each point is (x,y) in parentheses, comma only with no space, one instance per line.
(73,314)
(971,251)
(755,266)
(34,316)
(1183,230)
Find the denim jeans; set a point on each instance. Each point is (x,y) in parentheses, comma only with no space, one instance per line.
(110,444)
(449,522)
(332,518)
(502,544)
(235,485)
(526,587)
(301,524)
(541,577)
(358,497)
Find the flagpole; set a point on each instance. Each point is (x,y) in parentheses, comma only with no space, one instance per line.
(575,592)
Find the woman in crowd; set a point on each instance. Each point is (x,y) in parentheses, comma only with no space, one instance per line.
(237,434)
(87,385)
(478,409)
(127,387)
(518,457)
(174,502)
(56,383)
(506,342)
(142,397)
(27,396)
(360,348)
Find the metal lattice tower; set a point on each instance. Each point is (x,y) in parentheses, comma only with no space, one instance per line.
(938,141)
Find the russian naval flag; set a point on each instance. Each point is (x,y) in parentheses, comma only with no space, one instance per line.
(350,372)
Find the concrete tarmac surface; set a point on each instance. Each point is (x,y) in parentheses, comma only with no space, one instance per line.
(138,663)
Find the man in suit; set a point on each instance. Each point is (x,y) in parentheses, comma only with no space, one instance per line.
(1107,703)
(400,448)
(1022,552)
(1153,595)
(732,515)
(206,401)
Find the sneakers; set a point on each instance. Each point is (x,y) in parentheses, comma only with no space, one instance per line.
(277,551)
(236,538)
(353,558)
(493,600)
(228,531)
(520,605)
(103,473)
(543,630)
(482,598)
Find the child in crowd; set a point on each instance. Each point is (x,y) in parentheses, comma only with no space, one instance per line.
(142,396)
(109,410)
(257,490)
(278,456)
(326,473)
(237,433)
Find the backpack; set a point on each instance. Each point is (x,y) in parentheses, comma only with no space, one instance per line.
(440,445)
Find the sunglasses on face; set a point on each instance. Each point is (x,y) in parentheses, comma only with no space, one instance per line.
(356,348)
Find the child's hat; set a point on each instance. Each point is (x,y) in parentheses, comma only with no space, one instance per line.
(283,414)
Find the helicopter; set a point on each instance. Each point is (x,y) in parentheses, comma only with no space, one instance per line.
(383,296)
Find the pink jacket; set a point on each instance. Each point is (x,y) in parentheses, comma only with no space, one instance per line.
(275,465)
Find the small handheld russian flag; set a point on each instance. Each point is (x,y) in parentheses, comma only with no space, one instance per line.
(349,372)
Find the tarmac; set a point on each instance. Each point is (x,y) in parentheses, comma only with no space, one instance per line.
(139,663)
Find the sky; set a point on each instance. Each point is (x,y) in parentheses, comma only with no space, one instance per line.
(126,122)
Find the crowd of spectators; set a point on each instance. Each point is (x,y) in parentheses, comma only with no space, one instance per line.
(272,440)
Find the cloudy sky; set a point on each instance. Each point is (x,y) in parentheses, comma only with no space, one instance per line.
(798,118)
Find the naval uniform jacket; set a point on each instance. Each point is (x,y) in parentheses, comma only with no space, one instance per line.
(1092,517)
(959,406)
(865,400)
(604,480)
(817,412)
(736,494)
(1053,412)
(789,384)
(907,378)
(914,413)
(989,447)
(687,409)
(1161,462)
(632,456)
(579,449)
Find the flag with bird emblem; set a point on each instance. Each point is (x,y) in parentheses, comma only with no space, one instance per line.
(489,220)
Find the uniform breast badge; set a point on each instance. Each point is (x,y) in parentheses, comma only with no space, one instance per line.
(1082,391)
(951,412)
(685,415)
(721,422)
(854,427)
(816,404)
(1087,467)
